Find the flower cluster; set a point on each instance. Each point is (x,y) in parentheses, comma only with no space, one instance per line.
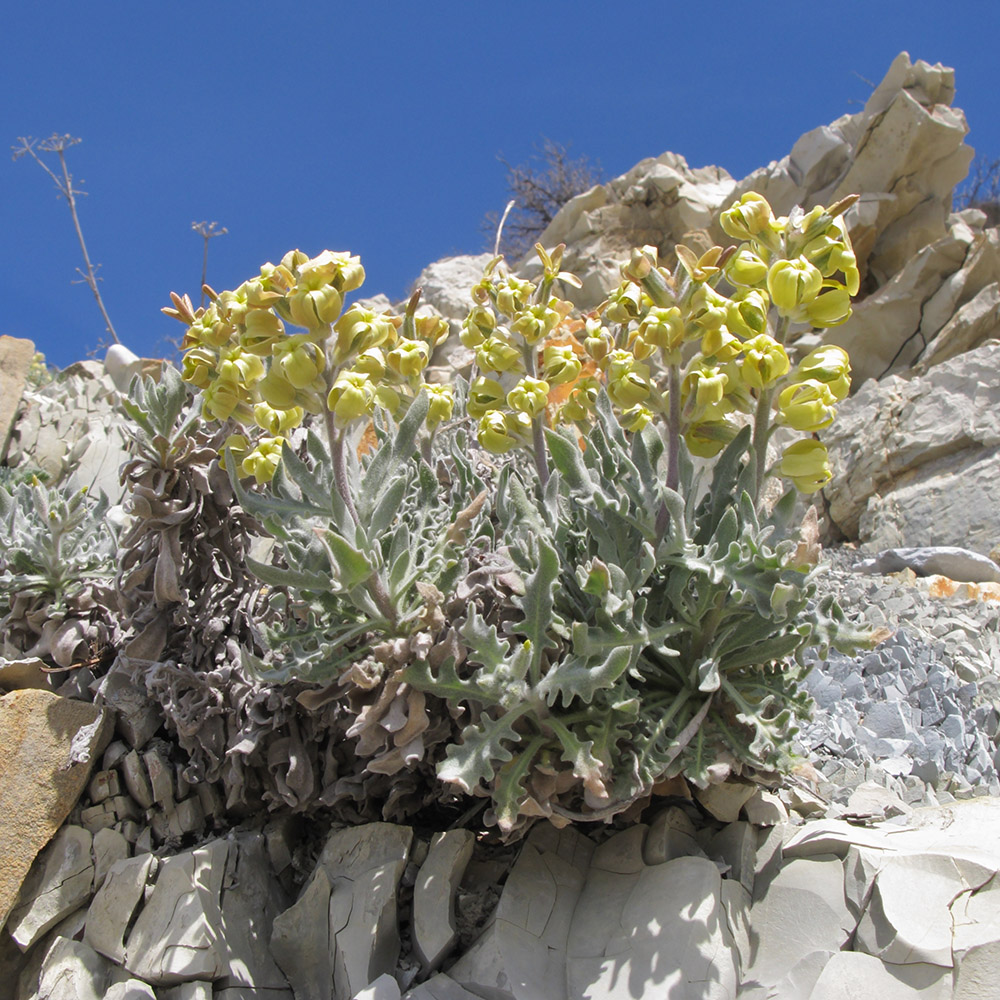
(255,371)
(673,346)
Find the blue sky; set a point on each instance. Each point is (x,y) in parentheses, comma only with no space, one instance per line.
(374,127)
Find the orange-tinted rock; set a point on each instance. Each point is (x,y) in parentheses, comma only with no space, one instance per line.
(39,782)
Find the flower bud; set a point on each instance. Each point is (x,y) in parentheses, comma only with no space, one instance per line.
(598,340)
(432,329)
(235,443)
(530,395)
(231,307)
(792,283)
(477,326)
(703,389)
(300,361)
(276,390)
(239,366)
(745,268)
(747,217)
(409,357)
(629,388)
(640,264)
(663,328)
(262,331)
(806,463)
(720,344)
(513,295)
(635,418)
(225,398)
(829,364)
(624,303)
(708,437)
(497,354)
(581,401)
(560,364)
(315,308)
(352,397)
(830,308)
(198,367)
(764,361)
(360,328)
(262,462)
(709,309)
(807,406)
(746,313)
(210,329)
(277,421)
(485,394)
(440,403)
(500,432)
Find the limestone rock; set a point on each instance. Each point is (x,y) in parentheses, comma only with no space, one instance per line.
(72,970)
(908,918)
(434,930)
(848,975)
(59,882)
(179,933)
(944,560)
(901,448)
(41,735)
(725,800)
(447,283)
(116,903)
(383,988)
(671,835)
(15,361)
(109,846)
(764,808)
(130,989)
(803,910)
(440,987)
(341,934)
(973,324)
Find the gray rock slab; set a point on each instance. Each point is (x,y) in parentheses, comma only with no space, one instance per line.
(383,988)
(72,970)
(736,845)
(440,987)
(671,835)
(130,989)
(976,922)
(301,942)
(944,560)
(59,882)
(852,975)
(109,846)
(116,903)
(736,904)
(803,910)
(251,899)
(648,931)
(354,883)
(908,918)
(482,969)
(186,991)
(764,808)
(796,984)
(434,930)
(179,932)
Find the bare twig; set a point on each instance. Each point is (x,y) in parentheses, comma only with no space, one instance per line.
(540,187)
(207,231)
(58,144)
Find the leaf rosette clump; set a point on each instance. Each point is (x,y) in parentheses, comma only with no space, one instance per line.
(519,588)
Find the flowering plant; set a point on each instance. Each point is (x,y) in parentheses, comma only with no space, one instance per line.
(559,629)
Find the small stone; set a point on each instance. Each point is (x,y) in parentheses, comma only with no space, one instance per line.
(188,991)
(736,844)
(136,779)
(160,779)
(764,808)
(873,800)
(103,785)
(59,882)
(725,799)
(109,846)
(187,817)
(440,987)
(671,835)
(434,930)
(130,989)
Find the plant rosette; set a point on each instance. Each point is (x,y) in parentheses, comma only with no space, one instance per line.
(520,584)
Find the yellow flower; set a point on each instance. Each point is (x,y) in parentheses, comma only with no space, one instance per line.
(560,363)
(497,354)
(720,344)
(262,462)
(261,332)
(500,432)
(793,283)
(513,295)
(807,406)
(276,390)
(764,361)
(747,217)
(237,444)
(485,394)
(477,326)
(409,357)
(708,437)
(745,268)
(829,308)
(663,328)
(315,308)
(582,400)
(806,463)
(635,418)
(530,395)
(277,421)
(352,397)
(360,328)
(300,360)
(831,365)
(440,403)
